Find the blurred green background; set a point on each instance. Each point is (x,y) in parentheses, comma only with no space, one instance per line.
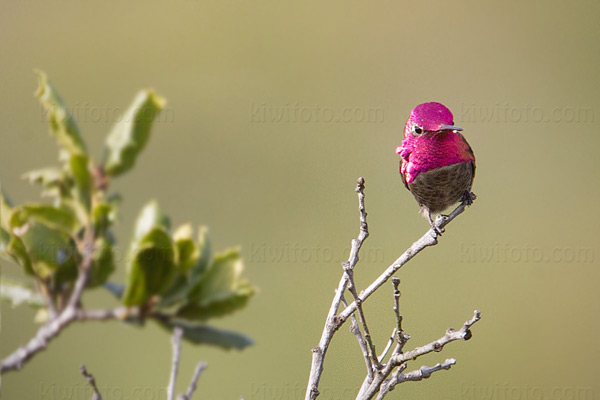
(520,77)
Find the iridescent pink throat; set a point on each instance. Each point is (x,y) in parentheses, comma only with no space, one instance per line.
(431,150)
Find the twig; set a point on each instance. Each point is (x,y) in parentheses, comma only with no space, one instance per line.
(422,373)
(92,381)
(451,335)
(361,342)
(176,342)
(332,323)
(399,359)
(388,346)
(188,395)
(363,320)
(402,336)
(52,328)
(428,239)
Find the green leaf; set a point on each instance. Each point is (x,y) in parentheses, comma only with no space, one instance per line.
(187,251)
(176,295)
(102,263)
(103,215)
(5,209)
(204,258)
(150,217)
(17,293)
(151,269)
(50,251)
(53,180)
(129,136)
(61,121)
(203,334)
(59,218)
(46,177)
(78,164)
(220,290)
(13,246)
(192,260)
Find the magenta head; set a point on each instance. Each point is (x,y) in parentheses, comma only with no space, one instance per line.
(430,117)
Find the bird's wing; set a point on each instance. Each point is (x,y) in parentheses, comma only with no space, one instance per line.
(468,152)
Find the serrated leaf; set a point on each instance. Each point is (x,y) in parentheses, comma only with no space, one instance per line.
(130,135)
(203,334)
(102,263)
(78,164)
(151,268)
(17,293)
(220,290)
(59,218)
(61,121)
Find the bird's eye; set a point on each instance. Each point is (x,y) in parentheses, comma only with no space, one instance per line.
(417,130)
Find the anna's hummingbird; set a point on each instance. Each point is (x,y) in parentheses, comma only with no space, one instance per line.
(437,164)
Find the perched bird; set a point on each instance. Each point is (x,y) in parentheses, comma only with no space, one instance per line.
(437,164)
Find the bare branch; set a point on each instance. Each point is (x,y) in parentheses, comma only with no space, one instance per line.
(92,381)
(428,239)
(402,336)
(363,320)
(87,249)
(451,335)
(377,372)
(361,342)
(199,368)
(332,323)
(176,342)
(399,359)
(388,346)
(422,373)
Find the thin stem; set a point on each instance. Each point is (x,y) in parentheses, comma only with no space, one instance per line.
(361,343)
(428,239)
(176,342)
(92,382)
(332,323)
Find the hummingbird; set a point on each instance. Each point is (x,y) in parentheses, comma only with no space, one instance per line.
(437,165)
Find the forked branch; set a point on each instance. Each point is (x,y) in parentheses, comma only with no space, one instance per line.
(381,377)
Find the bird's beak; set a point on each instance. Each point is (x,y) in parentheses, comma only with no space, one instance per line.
(450,128)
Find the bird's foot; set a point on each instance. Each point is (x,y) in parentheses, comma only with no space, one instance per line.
(437,229)
(468,197)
